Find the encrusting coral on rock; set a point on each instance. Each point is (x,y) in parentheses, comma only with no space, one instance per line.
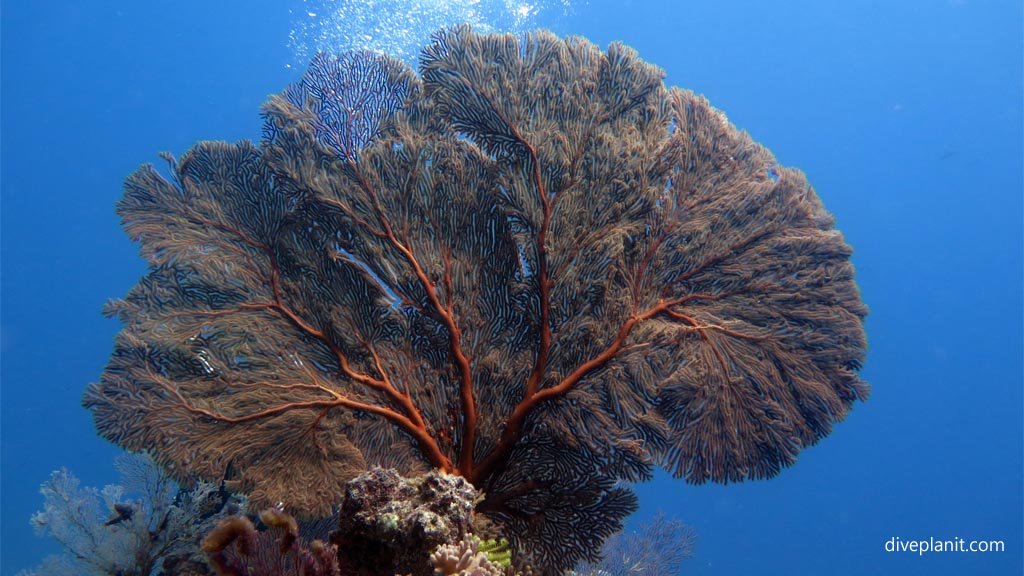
(387,524)
(392,524)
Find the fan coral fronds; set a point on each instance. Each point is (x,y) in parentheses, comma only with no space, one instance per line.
(657,549)
(532,265)
(105,533)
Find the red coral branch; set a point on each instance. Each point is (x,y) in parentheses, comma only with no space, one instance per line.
(513,426)
(469,412)
(543,283)
(408,419)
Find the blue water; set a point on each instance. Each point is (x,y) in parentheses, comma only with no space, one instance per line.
(906,117)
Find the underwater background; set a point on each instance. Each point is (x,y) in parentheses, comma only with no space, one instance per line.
(906,117)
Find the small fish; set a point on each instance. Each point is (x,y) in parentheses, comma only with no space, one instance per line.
(123,512)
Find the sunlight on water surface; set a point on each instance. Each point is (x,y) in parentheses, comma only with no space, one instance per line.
(402,27)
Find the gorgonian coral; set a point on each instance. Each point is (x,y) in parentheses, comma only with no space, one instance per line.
(531,264)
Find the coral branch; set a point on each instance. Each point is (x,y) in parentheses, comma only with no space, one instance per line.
(465,462)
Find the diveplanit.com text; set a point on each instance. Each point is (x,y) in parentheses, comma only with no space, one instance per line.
(922,547)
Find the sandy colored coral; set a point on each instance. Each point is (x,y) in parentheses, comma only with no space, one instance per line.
(464,558)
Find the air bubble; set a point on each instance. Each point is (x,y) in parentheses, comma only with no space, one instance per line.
(401,28)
